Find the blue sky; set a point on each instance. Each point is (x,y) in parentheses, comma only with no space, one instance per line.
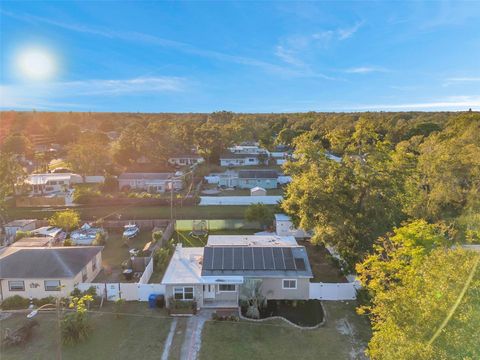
(243,56)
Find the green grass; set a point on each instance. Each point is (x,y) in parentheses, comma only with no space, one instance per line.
(344,336)
(140,334)
(136,212)
(116,251)
(178,339)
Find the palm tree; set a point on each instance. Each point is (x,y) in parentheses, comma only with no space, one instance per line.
(251,296)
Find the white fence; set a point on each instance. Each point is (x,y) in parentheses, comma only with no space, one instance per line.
(335,291)
(126,291)
(147,273)
(239,200)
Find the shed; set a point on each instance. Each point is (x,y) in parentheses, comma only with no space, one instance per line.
(258,191)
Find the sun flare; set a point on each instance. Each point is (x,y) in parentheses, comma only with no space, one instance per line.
(36,64)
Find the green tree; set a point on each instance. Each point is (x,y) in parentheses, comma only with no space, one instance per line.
(67,220)
(259,213)
(17,144)
(89,156)
(76,325)
(11,174)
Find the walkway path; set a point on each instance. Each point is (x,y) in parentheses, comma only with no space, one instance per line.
(168,342)
(193,335)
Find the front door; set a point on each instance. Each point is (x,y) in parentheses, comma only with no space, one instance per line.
(209,291)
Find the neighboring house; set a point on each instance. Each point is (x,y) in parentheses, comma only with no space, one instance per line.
(186,160)
(213,275)
(57,234)
(248,179)
(258,191)
(249,149)
(231,159)
(151,182)
(50,271)
(281,157)
(284,227)
(12,227)
(44,184)
(228,179)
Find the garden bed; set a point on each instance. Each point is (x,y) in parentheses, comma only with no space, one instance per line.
(304,313)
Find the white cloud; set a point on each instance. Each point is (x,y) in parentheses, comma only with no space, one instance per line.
(463,79)
(365,70)
(450,103)
(50,95)
(348,32)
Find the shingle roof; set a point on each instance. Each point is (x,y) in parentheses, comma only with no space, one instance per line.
(44,263)
(145,176)
(257,174)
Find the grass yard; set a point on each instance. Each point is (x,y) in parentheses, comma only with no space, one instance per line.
(136,212)
(139,334)
(323,267)
(344,336)
(116,251)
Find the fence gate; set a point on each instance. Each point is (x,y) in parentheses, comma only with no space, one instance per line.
(113,291)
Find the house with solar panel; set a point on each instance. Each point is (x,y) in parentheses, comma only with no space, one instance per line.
(213,275)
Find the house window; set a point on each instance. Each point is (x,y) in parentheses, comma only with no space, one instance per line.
(16,285)
(52,285)
(289,284)
(183,293)
(84,274)
(226,287)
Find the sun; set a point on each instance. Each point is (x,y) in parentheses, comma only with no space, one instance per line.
(36,64)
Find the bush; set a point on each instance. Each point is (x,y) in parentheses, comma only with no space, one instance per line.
(182,304)
(100,239)
(22,234)
(15,302)
(67,242)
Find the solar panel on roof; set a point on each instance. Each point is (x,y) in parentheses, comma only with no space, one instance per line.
(278,259)
(227,259)
(268,258)
(288,258)
(207,258)
(237,258)
(217,258)
(258,258)
(300,264)
(247,259)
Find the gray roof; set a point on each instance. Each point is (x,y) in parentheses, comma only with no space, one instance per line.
(263,261)
(237,156)
(257,174)
(145,176)
(45,263)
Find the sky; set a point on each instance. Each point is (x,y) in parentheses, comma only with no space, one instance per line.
(240,56)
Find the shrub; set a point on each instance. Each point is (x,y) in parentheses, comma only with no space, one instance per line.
(67,242)
(100,239)
(76,325)
(15,302)
(22,234)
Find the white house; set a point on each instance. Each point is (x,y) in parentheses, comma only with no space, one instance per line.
(152,182)
(47,271)
(186,160)
(284,227)
(44,184)
(249,149)
(231,159)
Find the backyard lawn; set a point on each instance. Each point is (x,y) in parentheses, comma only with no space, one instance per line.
(344,336)
(136,212)
(139,334)
(323,267)
(188,240)
(116,251)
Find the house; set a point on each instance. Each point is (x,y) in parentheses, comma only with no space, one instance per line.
(248,179)
(249,149)
(43,184)
(49,271)
(12,227)
(36,241)
(258,191)
(55,233)
(151,182)
(213,275)
(284,227)
(228,179)
(231,159)
(281,157)
(186,160)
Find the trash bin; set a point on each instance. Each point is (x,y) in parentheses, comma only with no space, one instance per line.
(152,301)
(128,274)
(160,301)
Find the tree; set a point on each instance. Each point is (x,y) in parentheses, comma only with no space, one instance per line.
(89,156)
(67,220)
(76,324)
(433,314)
(17,144)
(252,297)
(259,213)
(68,133)
(11,174)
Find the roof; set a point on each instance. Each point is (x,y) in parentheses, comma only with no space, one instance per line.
(38,179)
(47,231)
(237,156)
(32,241)
(145,176)
(257,174)
(271,261)
(186,156)
(251,240)
(185,267)
(45,263)
(20,223)
(282,217)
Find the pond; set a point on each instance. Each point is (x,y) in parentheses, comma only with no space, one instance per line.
(300,312)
